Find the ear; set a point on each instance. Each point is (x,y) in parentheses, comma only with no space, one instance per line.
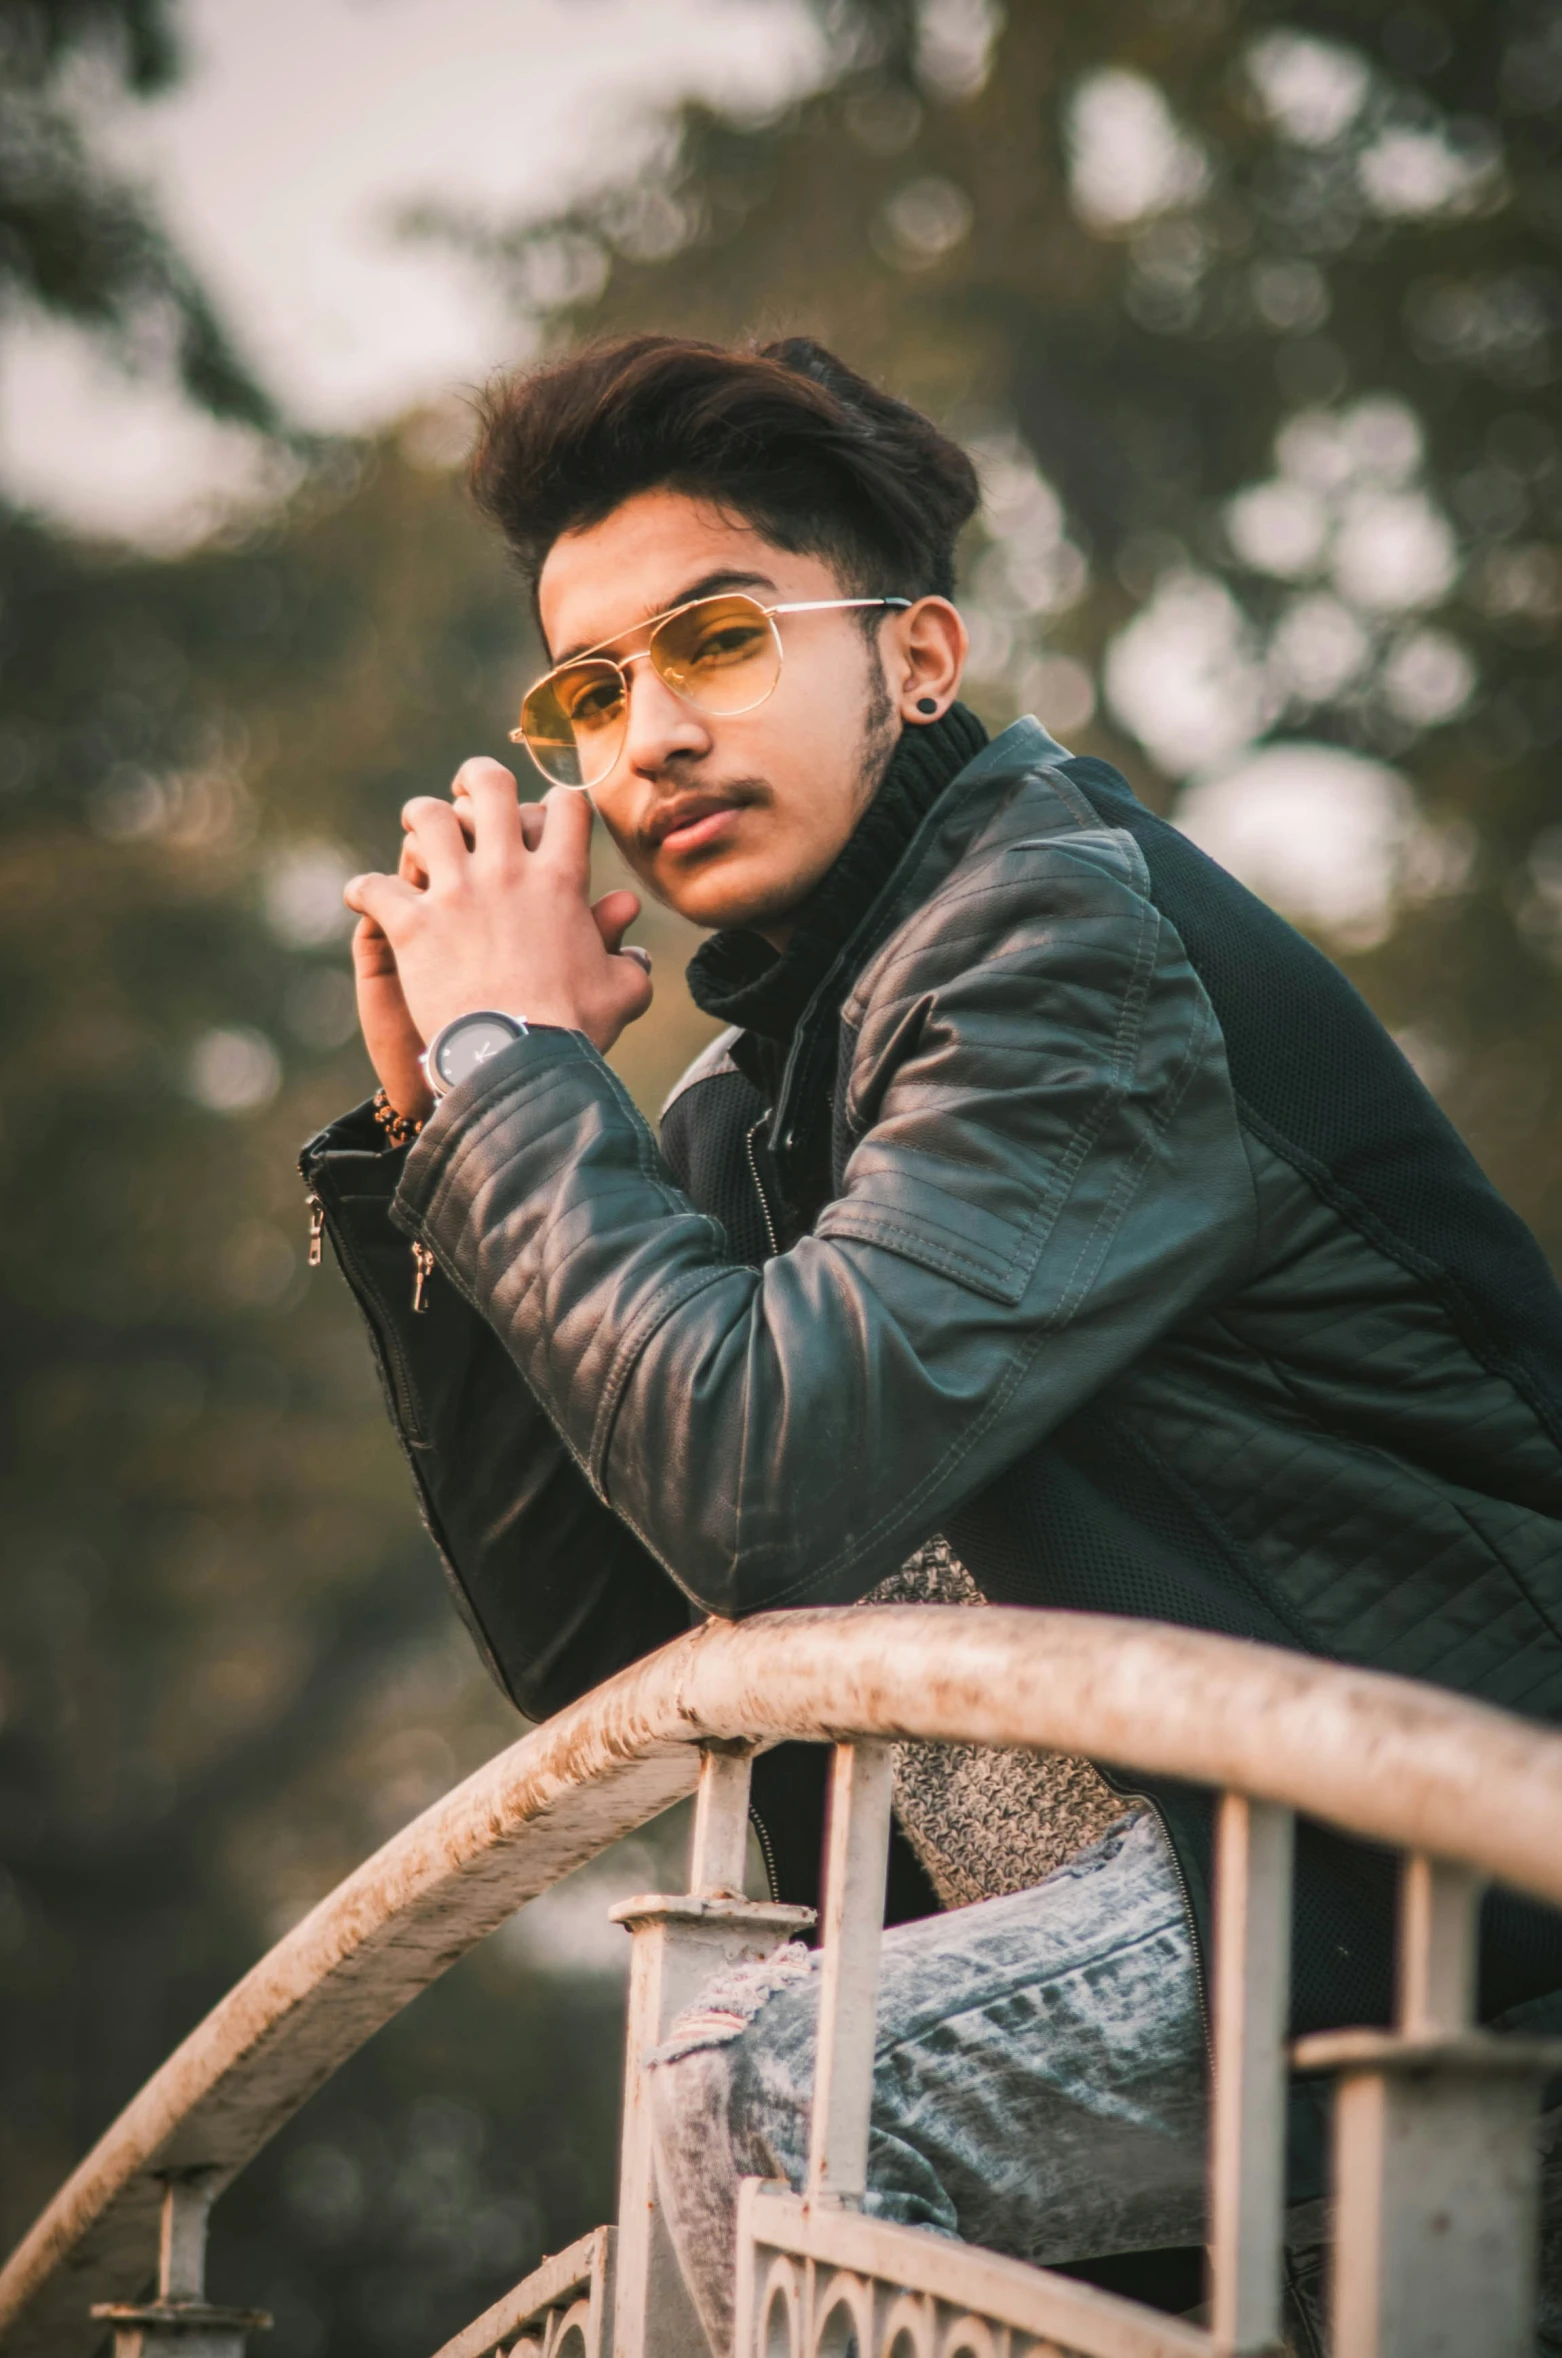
(924,656)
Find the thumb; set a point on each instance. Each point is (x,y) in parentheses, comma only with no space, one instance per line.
(614,913)
(373,956)
(566,834)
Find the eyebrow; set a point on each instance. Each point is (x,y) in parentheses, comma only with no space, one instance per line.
(709,585)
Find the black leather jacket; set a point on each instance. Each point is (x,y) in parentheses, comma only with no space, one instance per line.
(1151,1275)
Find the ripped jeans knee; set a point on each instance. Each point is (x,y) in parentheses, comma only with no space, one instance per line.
(1038,2076)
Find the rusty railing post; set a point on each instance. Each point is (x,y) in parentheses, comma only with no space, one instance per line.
(679,1945)
(1436,2167)
(180,2318)
(1254,1847)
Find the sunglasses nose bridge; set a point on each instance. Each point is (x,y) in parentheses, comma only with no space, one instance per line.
(664,661)
(655,658)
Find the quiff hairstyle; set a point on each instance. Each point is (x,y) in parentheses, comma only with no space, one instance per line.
(784,436)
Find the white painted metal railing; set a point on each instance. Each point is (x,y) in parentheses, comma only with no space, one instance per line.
(1435,2168)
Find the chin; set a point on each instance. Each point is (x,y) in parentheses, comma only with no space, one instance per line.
(739,901)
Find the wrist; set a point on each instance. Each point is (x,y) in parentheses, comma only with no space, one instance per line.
(405,1091)
(463,1045)
(400,1125)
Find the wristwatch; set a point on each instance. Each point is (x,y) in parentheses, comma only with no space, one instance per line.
(465,1044)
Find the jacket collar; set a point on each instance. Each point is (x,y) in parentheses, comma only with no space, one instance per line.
(948,827)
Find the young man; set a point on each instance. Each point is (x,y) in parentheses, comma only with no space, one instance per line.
(1047,1193)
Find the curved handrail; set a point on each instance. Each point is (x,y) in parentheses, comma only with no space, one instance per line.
(1402,1764)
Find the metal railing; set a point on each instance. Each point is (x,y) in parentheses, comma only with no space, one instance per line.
(1435,2169)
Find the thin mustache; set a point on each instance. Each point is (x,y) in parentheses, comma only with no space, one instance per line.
(676,809)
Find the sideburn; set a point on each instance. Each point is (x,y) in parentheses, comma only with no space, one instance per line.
(881,733)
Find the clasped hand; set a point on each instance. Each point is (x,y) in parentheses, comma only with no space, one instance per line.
(490,907)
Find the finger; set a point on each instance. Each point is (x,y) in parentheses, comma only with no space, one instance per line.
(632,990)
(373,956)
(615,912)
(566,834)
(437,836)
(481,771)
(533,820)
(431,816)
(486,796)
(386,900)
(410,866)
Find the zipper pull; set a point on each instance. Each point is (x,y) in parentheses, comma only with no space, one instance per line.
(316,1230)
(422,1271)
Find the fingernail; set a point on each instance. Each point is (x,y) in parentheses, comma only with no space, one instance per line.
(636,950)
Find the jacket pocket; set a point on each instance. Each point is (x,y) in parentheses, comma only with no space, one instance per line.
(947,1233)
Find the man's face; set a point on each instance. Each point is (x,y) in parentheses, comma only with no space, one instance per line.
(730,819)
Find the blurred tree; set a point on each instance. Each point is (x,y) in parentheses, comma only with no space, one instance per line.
(227,1665)
(1253,314)
(227,1668)
(79,241)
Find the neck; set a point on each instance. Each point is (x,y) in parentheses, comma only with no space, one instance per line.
(779,930)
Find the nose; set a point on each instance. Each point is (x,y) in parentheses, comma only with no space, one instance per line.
(661,725)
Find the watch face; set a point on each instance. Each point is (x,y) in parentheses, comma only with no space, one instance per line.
(468,1045)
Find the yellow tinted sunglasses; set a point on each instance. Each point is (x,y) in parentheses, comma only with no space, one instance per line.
(721,654)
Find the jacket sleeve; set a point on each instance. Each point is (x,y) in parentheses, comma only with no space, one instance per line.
(555,1590)
(1046,1173)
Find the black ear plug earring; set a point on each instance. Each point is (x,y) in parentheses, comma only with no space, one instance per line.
(927,704)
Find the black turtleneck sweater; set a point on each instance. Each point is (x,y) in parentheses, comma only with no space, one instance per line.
(738,978)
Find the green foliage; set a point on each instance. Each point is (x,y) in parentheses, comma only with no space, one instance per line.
(137,35)
(227,1665)
(76,239)
(1264,296)
(227,1668)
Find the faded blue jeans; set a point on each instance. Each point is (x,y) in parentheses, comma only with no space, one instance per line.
(1039,2087)
(1038,2082)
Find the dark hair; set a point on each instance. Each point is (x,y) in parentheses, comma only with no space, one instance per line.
(784,436)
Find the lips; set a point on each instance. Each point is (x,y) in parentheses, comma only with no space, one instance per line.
(691,820)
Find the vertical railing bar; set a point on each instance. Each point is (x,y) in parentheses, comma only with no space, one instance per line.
(679,1944)
(181,2242)
(1252,1975)
(856,1860)
(1439,1914)
(718,1852)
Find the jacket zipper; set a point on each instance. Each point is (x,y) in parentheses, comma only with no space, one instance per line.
(422,1258)
(399,1374)
(759,1185)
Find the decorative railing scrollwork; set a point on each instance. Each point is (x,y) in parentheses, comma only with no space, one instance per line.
(1435,2155)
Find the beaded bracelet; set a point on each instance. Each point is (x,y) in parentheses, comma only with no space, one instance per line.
(400,1129)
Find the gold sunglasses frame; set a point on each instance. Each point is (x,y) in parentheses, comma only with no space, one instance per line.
(653,623)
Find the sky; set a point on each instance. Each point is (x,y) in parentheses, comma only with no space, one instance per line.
(300,130)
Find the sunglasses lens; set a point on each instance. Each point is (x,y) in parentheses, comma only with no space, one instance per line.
(721,653)
(573,723)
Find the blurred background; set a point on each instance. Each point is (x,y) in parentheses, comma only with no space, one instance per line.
(1253,317)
